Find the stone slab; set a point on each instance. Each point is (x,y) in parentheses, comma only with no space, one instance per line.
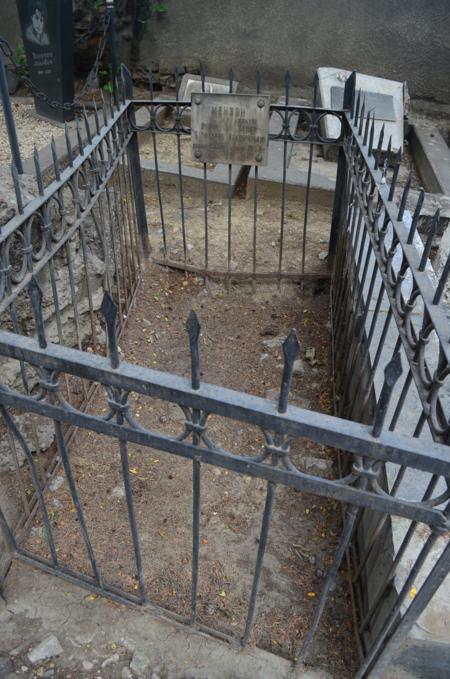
(432,158)
(191,83)
(331,78)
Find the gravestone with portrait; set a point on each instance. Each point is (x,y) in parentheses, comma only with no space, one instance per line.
(47,33)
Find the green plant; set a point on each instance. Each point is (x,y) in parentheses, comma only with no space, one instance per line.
(20,58)
(159,8)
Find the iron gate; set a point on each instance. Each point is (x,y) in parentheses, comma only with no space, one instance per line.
(366,232)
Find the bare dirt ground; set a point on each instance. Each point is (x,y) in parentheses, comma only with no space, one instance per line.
(241,238)
(239,350)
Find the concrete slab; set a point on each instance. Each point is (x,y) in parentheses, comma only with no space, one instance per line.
(191,83)
(270,177)
(386,96)
(432,158)
(91,629)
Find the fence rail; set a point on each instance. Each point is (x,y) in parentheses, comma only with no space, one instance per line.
(391,353)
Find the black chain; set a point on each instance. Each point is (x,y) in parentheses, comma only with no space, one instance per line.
(88,85)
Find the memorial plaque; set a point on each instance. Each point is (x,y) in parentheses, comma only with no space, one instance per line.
(47,33)
(230,128)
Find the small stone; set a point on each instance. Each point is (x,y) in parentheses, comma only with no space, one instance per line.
(111,660)
(317,466)
(118,491)
(140,664)
(56,483)
(47,648)
(274,343)
(298,367)
(264,357)
(210,609)
(126,674)
(323,255)
(37,531)
(48,674)
(87,665)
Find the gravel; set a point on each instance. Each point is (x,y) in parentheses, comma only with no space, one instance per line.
(31,131)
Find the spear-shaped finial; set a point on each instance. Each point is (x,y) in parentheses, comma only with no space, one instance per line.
(379,148)
(202,76)
(150,84)
(371,135)
(362,114)
(366,128)
(287,86)
(109,311)
(398,161)
(97,122)
(442,281)
(36,297)
(56,167)
(177,82)
(402,207)
(193,330)
(86,126)
(17,189)
(258,79)
(358,103)
(104,111)
(291,350)
(392,372)
(315,98)
(415,219)
(429,241)
(37,166)
(68,145)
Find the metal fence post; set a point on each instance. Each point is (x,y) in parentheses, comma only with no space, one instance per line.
(340,197)
(113,47)
(135,167)
(9,118)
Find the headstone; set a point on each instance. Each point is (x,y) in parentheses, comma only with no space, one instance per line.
(230,128)
(191,83)
(382,97)
(47,33)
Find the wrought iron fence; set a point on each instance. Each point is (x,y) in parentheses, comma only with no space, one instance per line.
(78,230)
(378,277)
(214,250)
(386,307)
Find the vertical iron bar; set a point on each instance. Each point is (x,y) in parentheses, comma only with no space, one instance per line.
(193,330)
(180,169)
(112,47)
(310,160)
(136,175)
(9,118)
(287,84)
(259,561)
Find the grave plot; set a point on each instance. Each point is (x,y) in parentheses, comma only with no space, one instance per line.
(241,349)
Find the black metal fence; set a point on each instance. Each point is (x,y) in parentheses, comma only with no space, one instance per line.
(231,242)
(378,276)
(77,230)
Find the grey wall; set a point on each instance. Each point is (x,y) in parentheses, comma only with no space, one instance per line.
(398,39)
